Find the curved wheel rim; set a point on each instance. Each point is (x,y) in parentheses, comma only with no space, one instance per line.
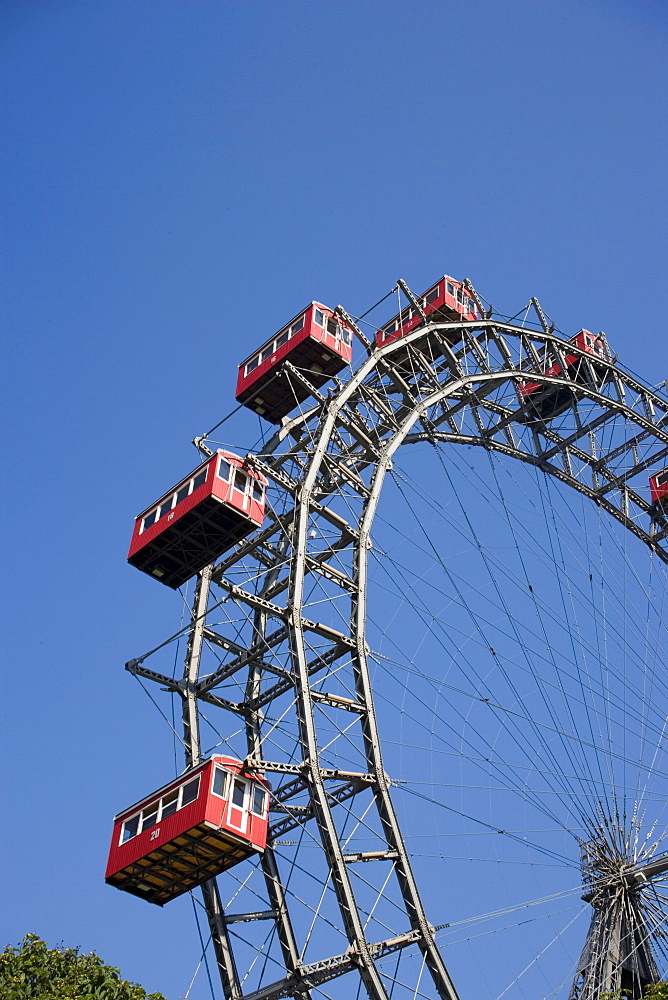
(335,458)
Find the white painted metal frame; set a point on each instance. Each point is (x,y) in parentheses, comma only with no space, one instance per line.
(446,383)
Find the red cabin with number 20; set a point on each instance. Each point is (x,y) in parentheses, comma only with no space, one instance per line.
(209,819)
(218,504)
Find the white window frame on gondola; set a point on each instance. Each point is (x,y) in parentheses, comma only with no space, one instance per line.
(155,808)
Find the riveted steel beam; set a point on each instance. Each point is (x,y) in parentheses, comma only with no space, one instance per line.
(327,466)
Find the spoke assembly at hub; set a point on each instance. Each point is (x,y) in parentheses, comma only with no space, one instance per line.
(625,894)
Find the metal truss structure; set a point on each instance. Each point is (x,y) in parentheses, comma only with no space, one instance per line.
(295,646)
(617,954)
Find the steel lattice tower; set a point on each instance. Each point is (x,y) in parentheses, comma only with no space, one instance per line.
(306,661)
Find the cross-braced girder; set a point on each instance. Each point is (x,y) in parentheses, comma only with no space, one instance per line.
(291,646)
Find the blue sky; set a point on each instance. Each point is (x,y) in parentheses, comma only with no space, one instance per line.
(180,178)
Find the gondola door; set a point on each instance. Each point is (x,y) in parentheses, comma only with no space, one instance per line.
(239,801)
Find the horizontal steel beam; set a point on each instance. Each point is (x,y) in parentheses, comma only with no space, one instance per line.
(309,977)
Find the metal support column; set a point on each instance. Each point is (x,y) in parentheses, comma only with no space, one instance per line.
(214,910)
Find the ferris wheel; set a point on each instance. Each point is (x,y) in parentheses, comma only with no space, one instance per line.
(424,698)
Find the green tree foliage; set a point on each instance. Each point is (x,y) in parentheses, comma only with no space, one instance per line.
(34,971)
(657,991)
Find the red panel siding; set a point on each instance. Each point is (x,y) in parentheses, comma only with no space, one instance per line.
(311,347)
(200,523)
(202,838)
(121,855)
(438,303)
(658,487)
(586,341)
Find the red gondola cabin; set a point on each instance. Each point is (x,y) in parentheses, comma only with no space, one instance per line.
(209,819)
(219,503)
(316,341)
(447,301)
(544,401)
(658,488)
